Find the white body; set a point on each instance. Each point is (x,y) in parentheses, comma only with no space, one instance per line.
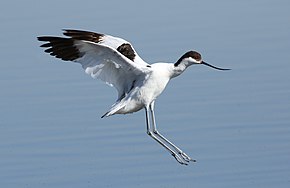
(147,89)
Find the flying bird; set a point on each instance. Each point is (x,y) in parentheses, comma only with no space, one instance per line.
(115,61)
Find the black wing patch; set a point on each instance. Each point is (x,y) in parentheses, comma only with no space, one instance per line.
(62,48)
(127,50)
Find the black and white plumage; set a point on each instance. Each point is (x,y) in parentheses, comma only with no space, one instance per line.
(114,61)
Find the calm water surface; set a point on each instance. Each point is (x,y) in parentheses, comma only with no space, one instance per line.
(235,123)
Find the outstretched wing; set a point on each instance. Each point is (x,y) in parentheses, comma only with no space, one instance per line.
(111,59)
(119,44)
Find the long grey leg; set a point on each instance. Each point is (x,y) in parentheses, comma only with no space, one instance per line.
(155,131)
(150,133)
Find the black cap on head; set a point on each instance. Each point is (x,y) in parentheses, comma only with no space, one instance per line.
(193,54)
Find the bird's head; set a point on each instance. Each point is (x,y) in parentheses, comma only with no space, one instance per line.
(193,57)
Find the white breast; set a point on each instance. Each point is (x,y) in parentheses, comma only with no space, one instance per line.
(155,83)
(145,90)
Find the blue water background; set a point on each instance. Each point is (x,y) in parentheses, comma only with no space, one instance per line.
(235,123)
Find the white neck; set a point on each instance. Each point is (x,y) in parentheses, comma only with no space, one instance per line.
(180,67)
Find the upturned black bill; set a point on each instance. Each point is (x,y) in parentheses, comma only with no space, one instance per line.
(213,66)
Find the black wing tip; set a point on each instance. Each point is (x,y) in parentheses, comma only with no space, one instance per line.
(60,47)
(44,38)
(50,38)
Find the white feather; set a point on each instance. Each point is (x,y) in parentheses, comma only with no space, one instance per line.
(107,64)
